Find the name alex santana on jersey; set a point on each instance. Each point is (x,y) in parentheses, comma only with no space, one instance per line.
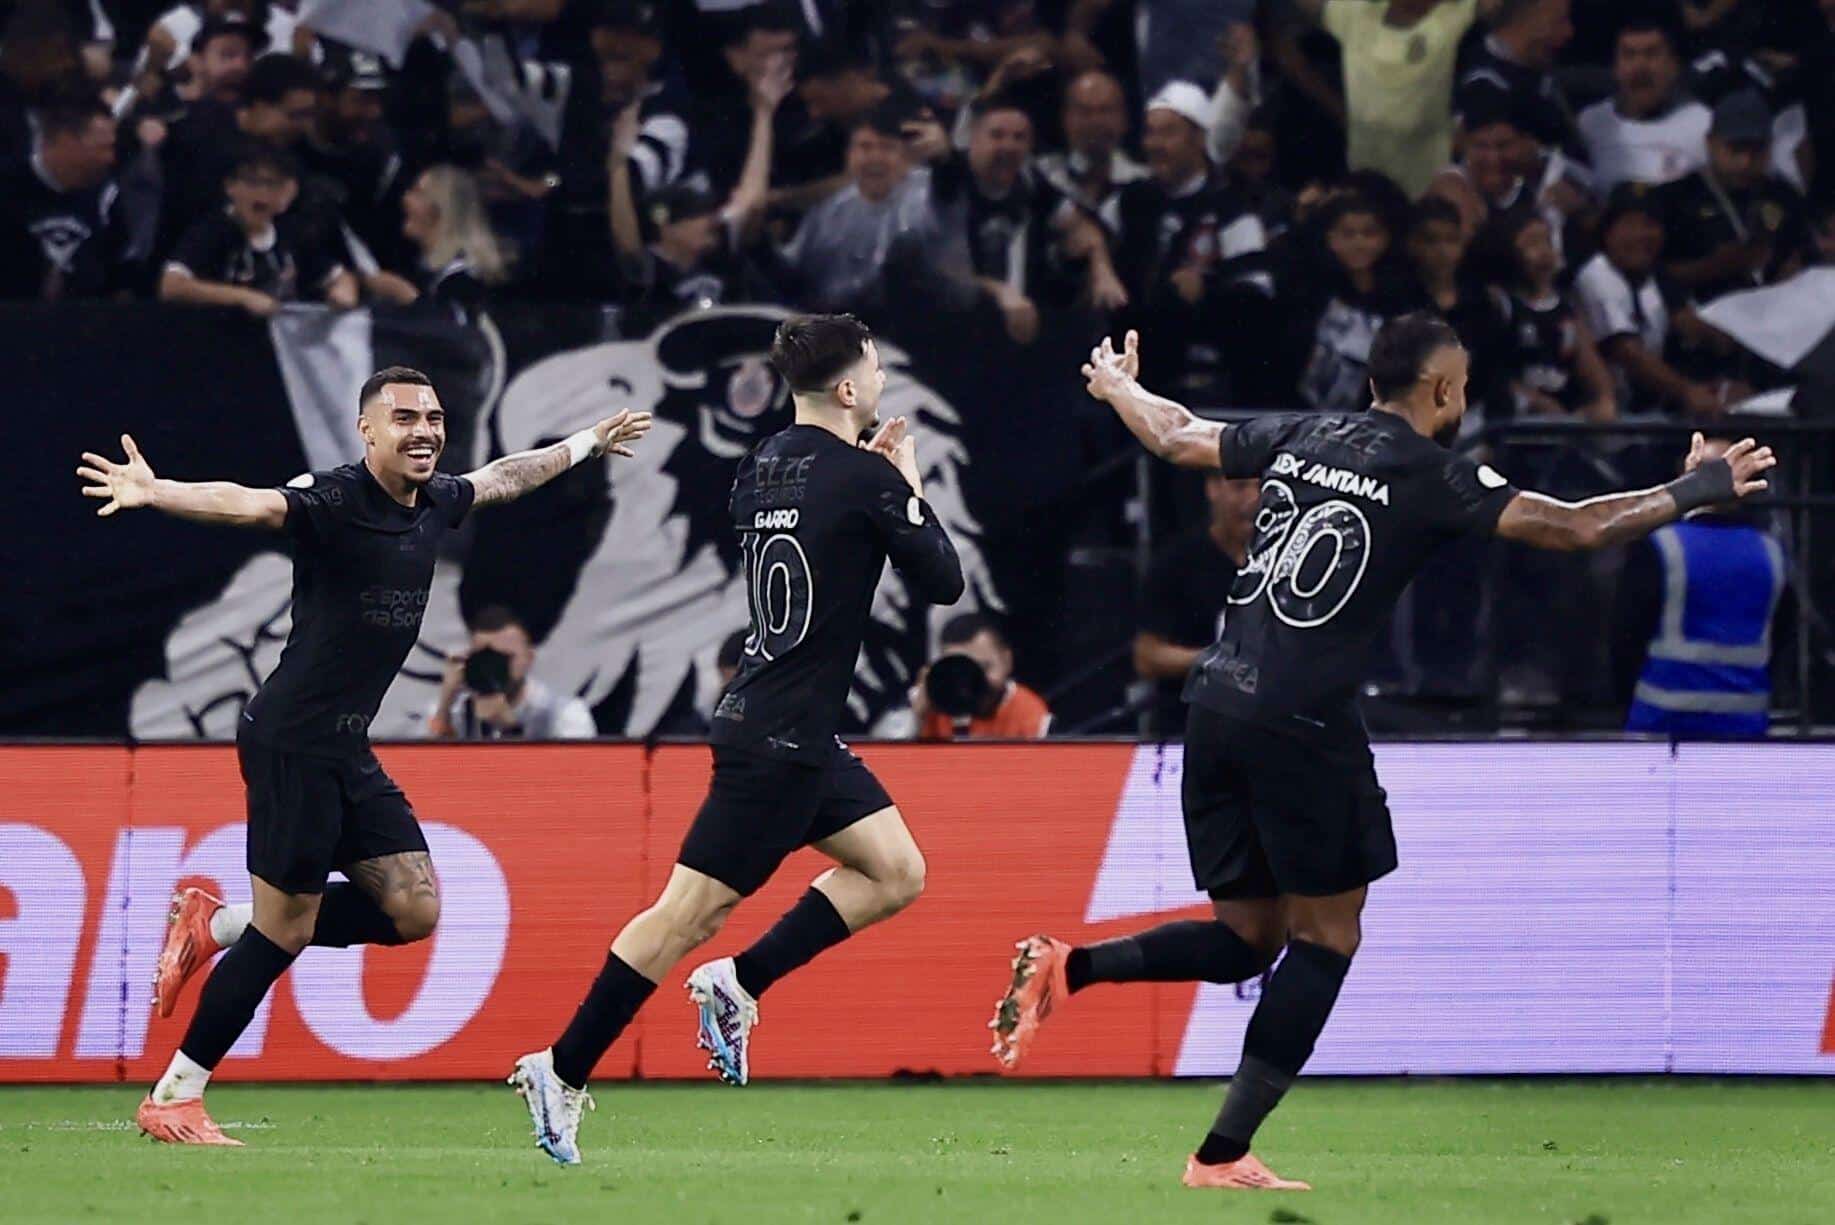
(1338,480)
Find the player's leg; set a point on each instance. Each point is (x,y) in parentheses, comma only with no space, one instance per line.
(692,908)
(1240,941)
(1285,1026)
(880,872)
(1227,861)
(282,926)
(392,895)
(1324,825)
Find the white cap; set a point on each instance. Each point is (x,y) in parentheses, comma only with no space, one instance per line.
(1186,100)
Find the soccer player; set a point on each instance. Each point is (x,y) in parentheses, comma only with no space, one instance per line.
(1284,819)
(364,541)
(819,509)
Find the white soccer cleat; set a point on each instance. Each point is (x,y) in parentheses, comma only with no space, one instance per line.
(554,1106)
(728,1016)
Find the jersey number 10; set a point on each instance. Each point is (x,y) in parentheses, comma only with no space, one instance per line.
(780,591)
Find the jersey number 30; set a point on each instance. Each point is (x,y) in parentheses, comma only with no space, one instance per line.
(781,591)
(1308,564)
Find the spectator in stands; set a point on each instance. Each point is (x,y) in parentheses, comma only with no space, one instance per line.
(40,62)
(1251,174)
(1186,592)
(173,36)
(1174,39)
(1399,57)
(1552,362)
(629,49)
(222,52)
(1189,247)
(1487,178)
(837,90)
(1006,229)
(1093,167)
(1695,609)
(699,254)
(1437,247)
(1649,131)
(1347,280)
(1732,224)
(842,247)
(488,692)
(969,690)
(1513,66)
(245,256)
(459,258)
(1632,311)
(278,105)
(350,146)
(759,46)
(60,237)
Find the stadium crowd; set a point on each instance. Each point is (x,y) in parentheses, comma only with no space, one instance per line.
(1257,185)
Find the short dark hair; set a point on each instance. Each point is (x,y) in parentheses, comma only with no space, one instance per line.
(1650,21)
(1508,11)
(253,155)
(71,116)
(389,374)
(812,352)
(981,108)
(494,617)
(1402,348)
(965,627)
(1430,210)
(275,76)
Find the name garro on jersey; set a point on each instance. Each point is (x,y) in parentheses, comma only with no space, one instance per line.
(1339,480)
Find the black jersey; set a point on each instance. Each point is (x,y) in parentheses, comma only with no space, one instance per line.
(1351,506)
(362,567)
(817,520)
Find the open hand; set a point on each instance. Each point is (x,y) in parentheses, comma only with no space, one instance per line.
(1747,460)
(1107,371)
(616,433)
(126,486)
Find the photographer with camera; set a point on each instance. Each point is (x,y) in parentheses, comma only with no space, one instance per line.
(488,694)
(969,689)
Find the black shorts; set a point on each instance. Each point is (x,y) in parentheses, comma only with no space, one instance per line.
(309,814)
(759,809)
(1268,813)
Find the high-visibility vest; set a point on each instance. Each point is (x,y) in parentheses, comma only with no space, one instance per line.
(1708,670)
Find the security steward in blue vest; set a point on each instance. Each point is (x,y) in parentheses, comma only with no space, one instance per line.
(1696,604)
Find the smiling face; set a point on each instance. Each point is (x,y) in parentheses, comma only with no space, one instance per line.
(404,431)
(998,146)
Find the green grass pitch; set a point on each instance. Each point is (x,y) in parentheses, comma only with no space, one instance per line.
(1609,1152)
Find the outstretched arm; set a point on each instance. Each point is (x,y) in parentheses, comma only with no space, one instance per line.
(1547,523)
(132,484)
(509,478)
(1165,427)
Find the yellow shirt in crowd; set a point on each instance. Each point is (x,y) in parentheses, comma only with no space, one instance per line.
(1398,86)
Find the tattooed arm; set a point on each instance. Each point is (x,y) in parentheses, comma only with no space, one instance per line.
(1597,523)
(509,478)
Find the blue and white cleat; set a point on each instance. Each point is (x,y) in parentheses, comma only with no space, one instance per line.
(728,1016)
(554,1106)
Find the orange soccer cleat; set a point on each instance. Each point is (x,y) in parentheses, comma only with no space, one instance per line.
(183,1122)
(1038,984)
(1246,1173)
(189,945)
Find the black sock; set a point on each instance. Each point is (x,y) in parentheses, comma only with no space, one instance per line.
(232,994)
(1195,950)
(348,915)
(1285,1026)
(613,1000)
(806,929)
